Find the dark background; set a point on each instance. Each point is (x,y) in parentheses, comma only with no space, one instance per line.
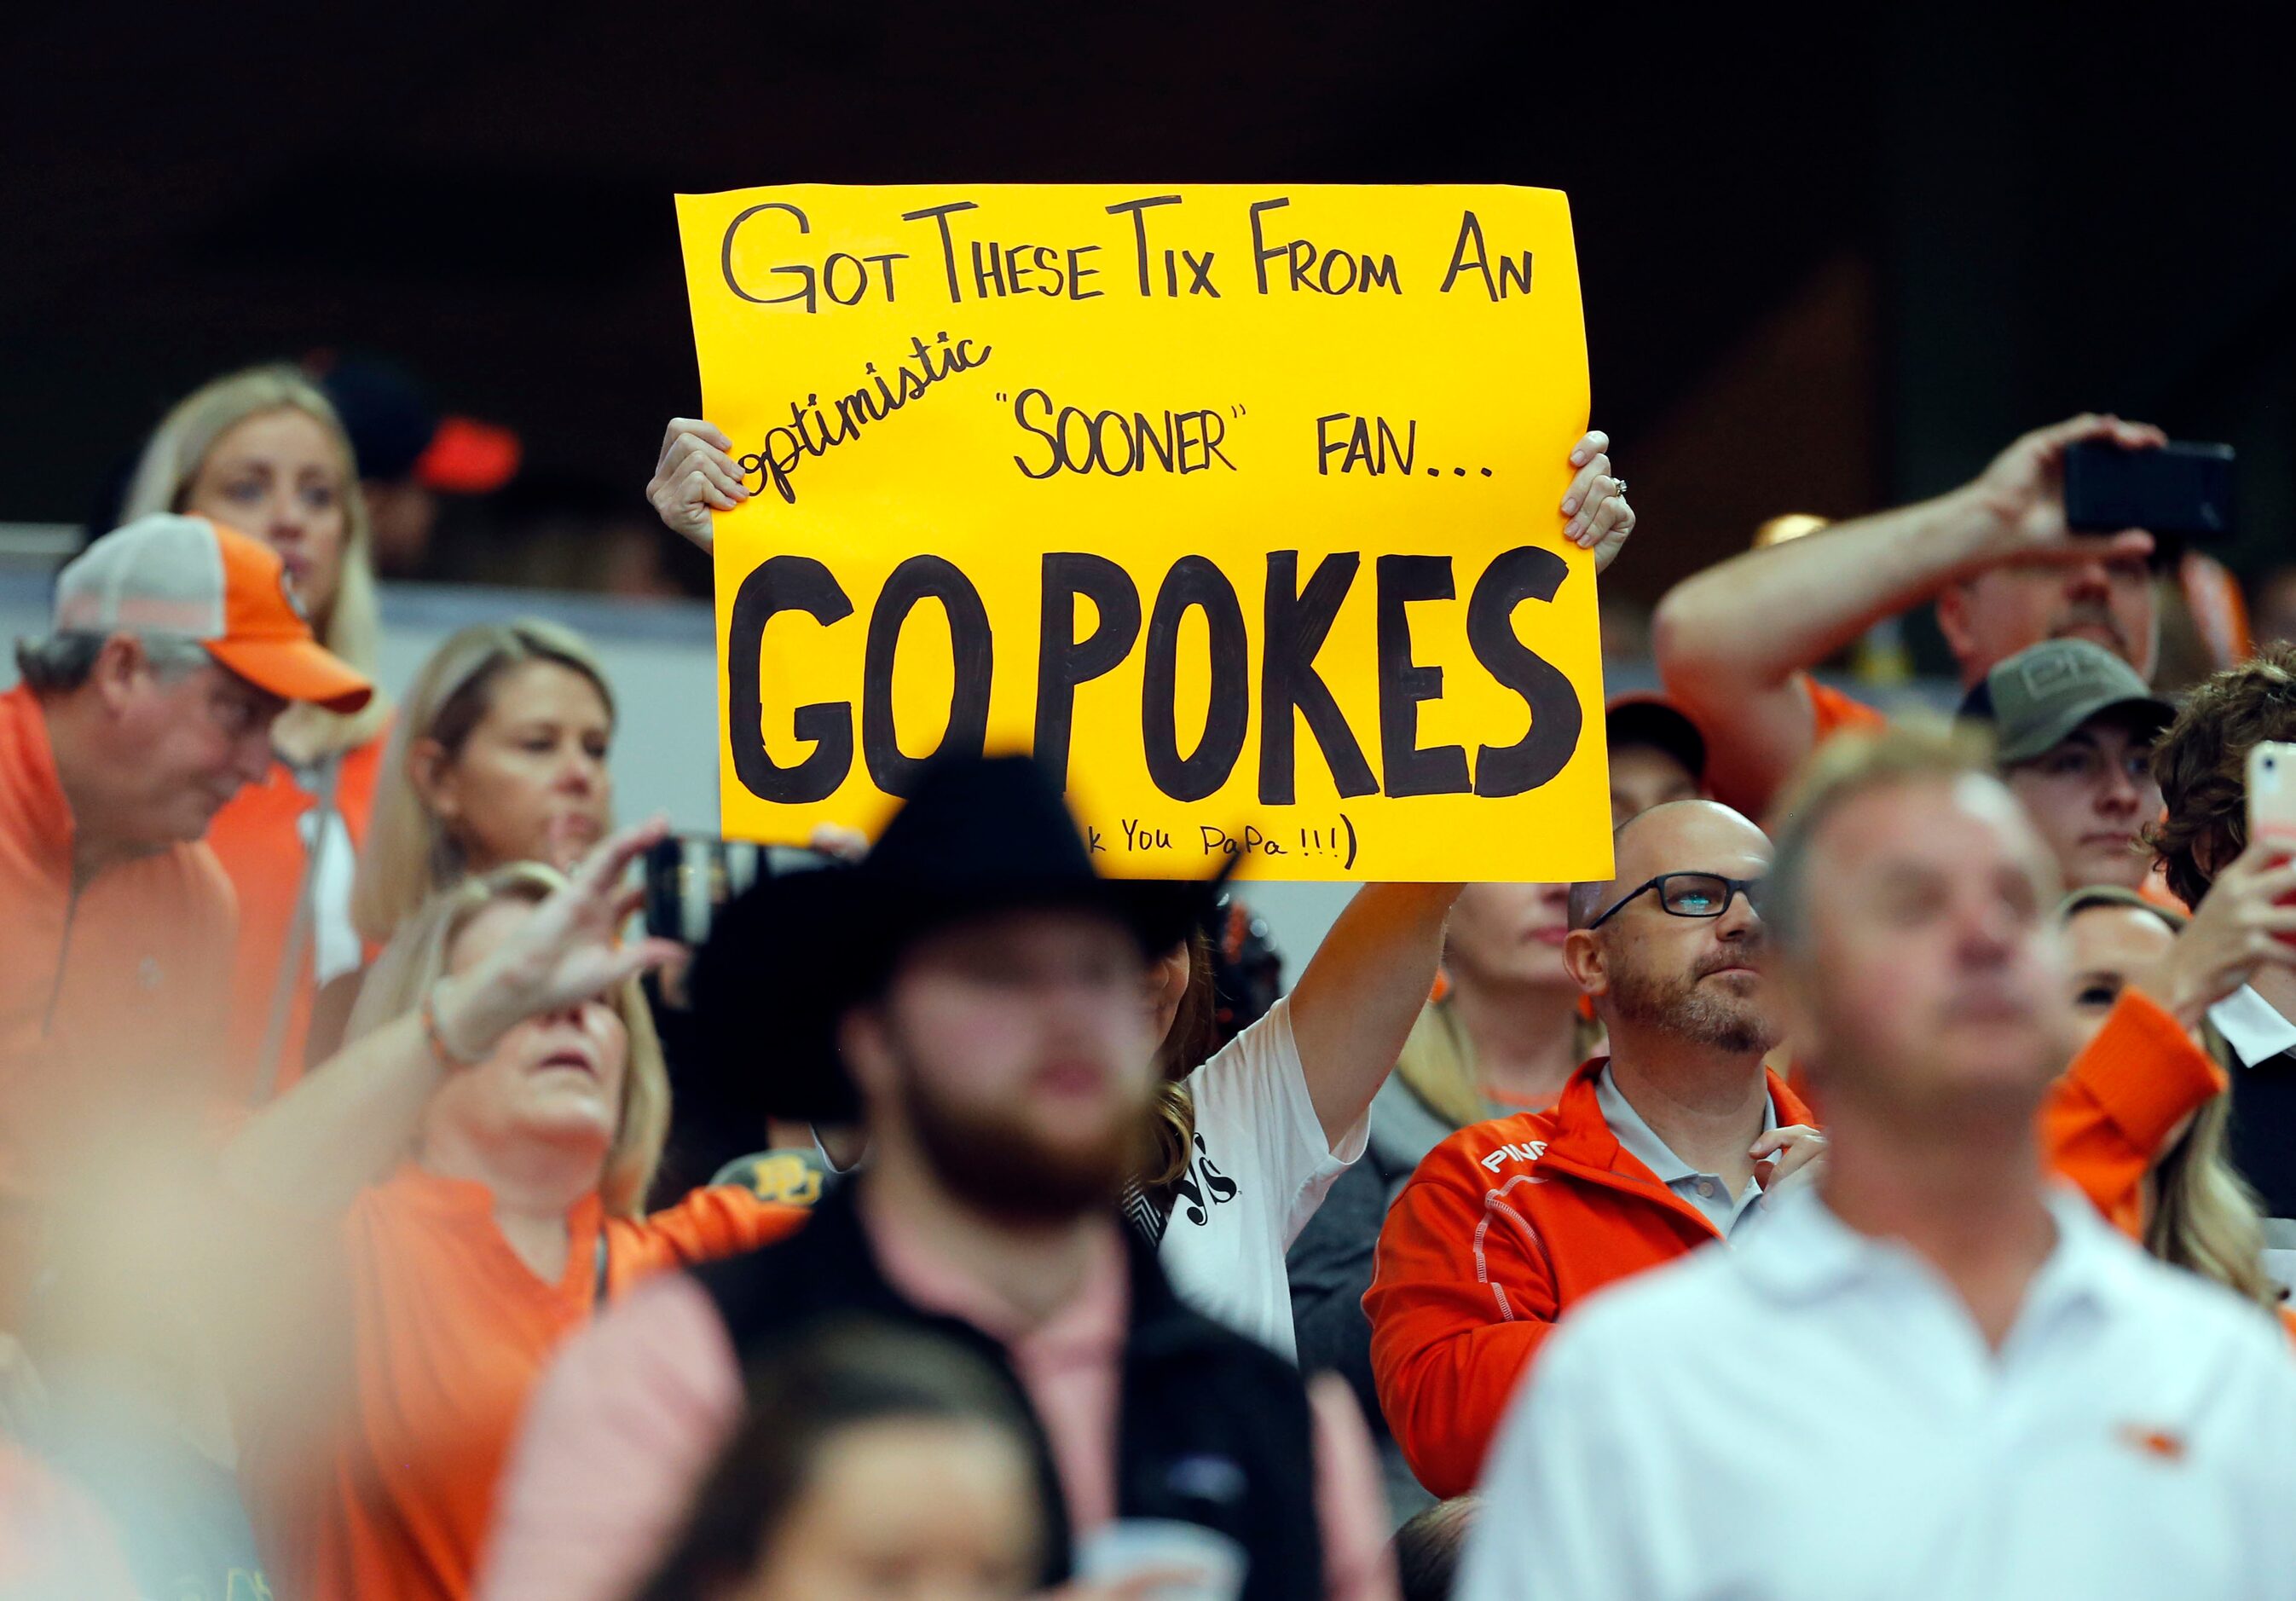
(1831,259)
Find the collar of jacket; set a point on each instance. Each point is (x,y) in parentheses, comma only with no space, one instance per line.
(1582,1145)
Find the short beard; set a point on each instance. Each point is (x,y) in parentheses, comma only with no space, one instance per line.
(1680,1007)
(993,1164)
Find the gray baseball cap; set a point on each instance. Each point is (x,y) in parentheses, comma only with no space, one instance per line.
(2037,698)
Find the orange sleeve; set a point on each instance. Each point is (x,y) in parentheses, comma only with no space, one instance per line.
(1832,711)
(718,1220)
(1461,1300)
(2107,1118)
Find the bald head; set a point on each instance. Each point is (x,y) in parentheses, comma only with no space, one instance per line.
(1681,837)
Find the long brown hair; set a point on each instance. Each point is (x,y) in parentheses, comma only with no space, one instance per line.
(1187,1046)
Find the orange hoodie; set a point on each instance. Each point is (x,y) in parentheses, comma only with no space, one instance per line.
(1505,1226)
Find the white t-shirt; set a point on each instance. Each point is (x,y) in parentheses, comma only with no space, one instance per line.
(1813,1414)
(1260,1169)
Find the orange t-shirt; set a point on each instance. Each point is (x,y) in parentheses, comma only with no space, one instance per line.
(113,995)
(257,837)
(450,1332)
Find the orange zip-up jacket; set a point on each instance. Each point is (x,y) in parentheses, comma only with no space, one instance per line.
(257,837)
(1509,1223)
(113,994)
(1505,1226)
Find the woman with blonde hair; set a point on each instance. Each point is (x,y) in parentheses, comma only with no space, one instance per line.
(2192,1208)
(499,756)
(262,451)
(460,1189)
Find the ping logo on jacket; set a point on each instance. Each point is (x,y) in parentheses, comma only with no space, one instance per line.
(1513,1153)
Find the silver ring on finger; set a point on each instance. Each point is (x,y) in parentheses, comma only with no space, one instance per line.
(1618,487)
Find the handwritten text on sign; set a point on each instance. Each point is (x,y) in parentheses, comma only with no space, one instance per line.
(1236,504)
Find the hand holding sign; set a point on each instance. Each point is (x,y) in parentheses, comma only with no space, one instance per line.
(1237,507)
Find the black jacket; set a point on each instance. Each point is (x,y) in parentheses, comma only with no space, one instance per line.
(1212,1429)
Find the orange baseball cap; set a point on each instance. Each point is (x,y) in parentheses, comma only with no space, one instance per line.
(188,578)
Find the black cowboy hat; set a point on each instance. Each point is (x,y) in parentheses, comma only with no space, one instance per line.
(788,957)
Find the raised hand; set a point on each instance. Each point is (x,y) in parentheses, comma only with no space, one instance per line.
(569,951)
(1601,520)
(695,475)
(2023,494)
(2239,927)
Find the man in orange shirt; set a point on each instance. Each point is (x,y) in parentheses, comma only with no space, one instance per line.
(1674,1141)
(174,644)
(1734,642)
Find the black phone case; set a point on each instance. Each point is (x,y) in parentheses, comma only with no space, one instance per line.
(2179,489)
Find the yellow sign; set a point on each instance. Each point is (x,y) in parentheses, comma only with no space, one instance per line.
(1236,505)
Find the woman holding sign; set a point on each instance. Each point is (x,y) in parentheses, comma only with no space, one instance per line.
(1248,1142)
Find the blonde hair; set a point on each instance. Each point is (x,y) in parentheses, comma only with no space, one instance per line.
(352,625)
(1437,1063)
(409,855)
(417,958)
(2201,1214)
(2204,1217)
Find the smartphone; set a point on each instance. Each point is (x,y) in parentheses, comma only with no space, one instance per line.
(689,876)
(2272,793)
(2179,489)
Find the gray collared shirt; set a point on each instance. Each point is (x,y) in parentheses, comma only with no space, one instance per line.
(1707,1192)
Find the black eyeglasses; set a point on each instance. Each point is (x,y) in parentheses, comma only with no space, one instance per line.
(1690,895)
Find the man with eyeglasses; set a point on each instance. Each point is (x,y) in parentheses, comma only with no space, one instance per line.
(1674,1141)
(174,644)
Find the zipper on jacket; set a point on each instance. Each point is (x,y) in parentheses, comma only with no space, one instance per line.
(63,960)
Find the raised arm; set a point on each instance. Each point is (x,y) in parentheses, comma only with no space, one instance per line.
(343,1127)
(1733,640)
(1353,1007)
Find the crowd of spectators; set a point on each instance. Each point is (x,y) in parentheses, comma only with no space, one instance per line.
(1883,1183)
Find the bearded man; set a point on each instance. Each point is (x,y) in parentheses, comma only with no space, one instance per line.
(1676,1140)
(971,995)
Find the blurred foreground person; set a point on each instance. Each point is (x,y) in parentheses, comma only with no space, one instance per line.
(981,986)
(438,1207)
(1993,1393)
(147,707)
(263,452)
(1735,641)
(2073,727)
(1675,1140)
(875,1461)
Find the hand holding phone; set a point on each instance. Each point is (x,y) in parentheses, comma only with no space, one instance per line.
(2179,489)
(2272,804)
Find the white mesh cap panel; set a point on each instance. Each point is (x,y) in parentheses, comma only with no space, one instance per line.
(161,574)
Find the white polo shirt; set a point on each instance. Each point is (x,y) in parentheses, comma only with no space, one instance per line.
(1814,1414)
